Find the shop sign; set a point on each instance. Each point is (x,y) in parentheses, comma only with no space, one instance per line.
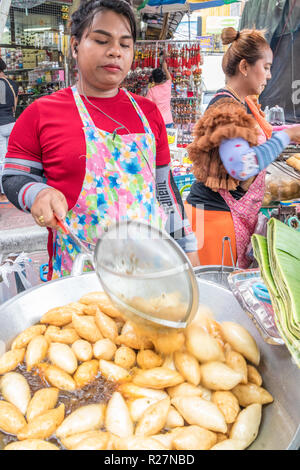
(206,42)
(215,24)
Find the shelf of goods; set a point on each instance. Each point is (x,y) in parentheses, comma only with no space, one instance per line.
(38,72)
(184,60)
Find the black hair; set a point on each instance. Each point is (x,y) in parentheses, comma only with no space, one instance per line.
(83,17)
(2,65)
(158,76)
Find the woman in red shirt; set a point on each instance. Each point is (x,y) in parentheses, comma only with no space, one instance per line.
(94,153)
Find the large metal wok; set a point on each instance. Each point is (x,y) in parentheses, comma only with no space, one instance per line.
(280,423)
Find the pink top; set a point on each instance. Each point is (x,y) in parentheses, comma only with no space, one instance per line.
(161,96)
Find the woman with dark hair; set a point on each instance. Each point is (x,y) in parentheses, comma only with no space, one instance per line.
(8,103)
(93,154)
(160,92)
(232,148)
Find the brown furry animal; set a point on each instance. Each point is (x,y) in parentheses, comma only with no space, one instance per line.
(226,119)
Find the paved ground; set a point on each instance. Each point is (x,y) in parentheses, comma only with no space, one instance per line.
(12,218)
(19,232)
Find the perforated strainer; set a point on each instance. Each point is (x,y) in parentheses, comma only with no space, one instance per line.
(146,274)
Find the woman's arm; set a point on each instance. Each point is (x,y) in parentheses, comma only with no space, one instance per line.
(242,161)
(166,70)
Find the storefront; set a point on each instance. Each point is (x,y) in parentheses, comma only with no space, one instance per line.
(34,46)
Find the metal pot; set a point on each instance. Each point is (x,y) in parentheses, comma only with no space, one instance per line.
(280,423)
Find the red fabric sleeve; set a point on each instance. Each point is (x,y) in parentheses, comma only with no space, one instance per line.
(24,139)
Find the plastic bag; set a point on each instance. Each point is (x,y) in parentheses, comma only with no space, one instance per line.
(280,186)
(17,274)
(260,229)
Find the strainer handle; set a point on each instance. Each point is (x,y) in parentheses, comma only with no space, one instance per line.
(231,254)
(79,262)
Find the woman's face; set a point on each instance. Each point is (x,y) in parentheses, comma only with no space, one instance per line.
(105,52)
(259,73)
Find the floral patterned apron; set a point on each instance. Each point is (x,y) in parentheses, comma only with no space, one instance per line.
(119,185)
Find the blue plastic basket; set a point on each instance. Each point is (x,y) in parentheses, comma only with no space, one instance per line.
(184,180)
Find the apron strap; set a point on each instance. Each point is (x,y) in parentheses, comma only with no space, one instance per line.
(88,121)
(139,112)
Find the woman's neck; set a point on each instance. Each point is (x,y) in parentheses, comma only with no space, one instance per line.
(2,74)
(88,90)
(237,89)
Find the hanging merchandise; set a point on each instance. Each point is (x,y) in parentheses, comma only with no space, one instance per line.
(184,61)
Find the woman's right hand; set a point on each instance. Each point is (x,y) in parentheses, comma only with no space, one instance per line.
(294,133)
(49,205)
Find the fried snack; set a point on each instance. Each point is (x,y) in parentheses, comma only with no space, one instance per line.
(138,406)
(247,424)
(56,377)
(153,419)
(148,359)
(97,442)
(228,404)
(174,419)
(44,425)
(253,375)
(158,378)
(117,419)
(193,438)
(71,442)
(83,350)
(113,372)
(86,418)
(188,367)
(106,325)
(86,373)
(165,440)
(201,412)
(61,316)
(61,335)
(86,327)
(103,302)
(203,346)
(229,444)
(132,391)
(11,418)
(43,400)
(219,376)
(104,349)
(251,393)
(62,356)
(31,444)
(125,357)
(294,162)
(237,362)
(27,335)
(241,341)
(138,443)
(11,359)
(188,390)
(15,389)
(36,351)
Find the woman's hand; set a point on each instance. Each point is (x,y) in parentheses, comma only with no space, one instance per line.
(49,205)
(194,258)
(293,133)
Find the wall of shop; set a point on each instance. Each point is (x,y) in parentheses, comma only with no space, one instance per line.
(34,46)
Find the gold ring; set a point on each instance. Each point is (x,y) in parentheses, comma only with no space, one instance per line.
(41,219)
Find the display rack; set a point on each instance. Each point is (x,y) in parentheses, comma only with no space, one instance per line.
(184,60)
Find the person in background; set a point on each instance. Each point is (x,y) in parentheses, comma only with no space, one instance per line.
(160,92)
(8,103)
(94,154)
(232,148)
